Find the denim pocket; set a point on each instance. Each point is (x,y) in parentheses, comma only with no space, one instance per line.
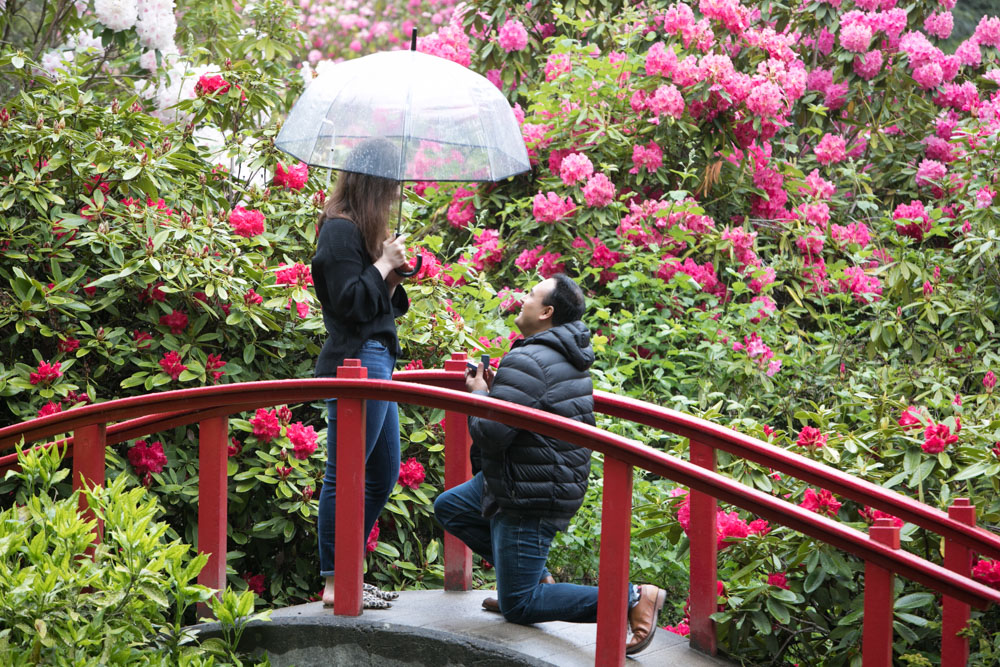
(374,344)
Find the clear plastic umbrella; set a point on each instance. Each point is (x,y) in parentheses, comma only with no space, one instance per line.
(406,116)
(445,122)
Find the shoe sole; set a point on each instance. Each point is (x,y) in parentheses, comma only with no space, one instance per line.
(661,599)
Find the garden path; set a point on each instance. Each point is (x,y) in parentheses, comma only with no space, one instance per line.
(554,643)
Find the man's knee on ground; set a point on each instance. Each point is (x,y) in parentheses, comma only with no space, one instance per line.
(516,611)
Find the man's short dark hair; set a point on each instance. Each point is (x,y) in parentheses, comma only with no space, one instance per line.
(566,299)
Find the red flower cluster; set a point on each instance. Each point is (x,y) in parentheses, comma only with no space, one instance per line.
(213,364)
(141,339)
(294,178)
(778,579)
(989,381)
(210,84)
(411,473)
(303,439)
(988,572)
(414,365)
(821,503)
(152,292)
(255,582)
(246,223)
(177,320)
(147,458)
(870,514)
(252,298)
(47,373)
(234,447)
(910,417)
(938,436)
(50,408)
(296,274)
(372,543)
(171,365)
(265,425)
(70,344)
(811,437)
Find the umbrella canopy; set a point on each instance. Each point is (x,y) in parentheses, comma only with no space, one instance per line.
(443,121)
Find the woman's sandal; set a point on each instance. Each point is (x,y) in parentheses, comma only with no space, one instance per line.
(371,589)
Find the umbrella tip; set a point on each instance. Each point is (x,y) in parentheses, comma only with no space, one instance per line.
(413,40)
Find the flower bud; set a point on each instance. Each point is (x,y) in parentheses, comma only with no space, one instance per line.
(4,117)
(40,122)
(115,106)
(202,178)
(102,227)
(283,455)
(98,134)
(229,64)
(135,108)
(307,493)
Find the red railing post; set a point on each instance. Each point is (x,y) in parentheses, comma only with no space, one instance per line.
(616,536)
(955,614)
(457,469)
(349,543)
(213,456)
(704,592)
(89,443)
(876,641)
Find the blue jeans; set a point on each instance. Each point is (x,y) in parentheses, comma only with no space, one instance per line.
(518,547)
(381,456)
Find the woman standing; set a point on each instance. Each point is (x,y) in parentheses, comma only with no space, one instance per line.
(360,292)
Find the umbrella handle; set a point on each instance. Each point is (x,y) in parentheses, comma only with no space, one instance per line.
(412,272)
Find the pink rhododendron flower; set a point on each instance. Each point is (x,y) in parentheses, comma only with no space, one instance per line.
(666,100)
(855,37)
(252,298)
(528,259)
(822,503)
(984,197)
(918,220)
(660,60)
(371,544)
(766,100)
(649,157)
(868,65)
(303,439)
(939,24)
(855,232)
(811,437)
(865,288)
(266,426)
(928,76)
(246,223)
(460,211)
(831,149)
(777,579)
(147,459)
(550,207)
(599,191)
(488,249)
(171,364)
(294,178)
(512,36)
(988,31)
(549,265)
(177,321)
(213,364)
(575,167)
(411,473)
(759,527)
(937,437)
(818,187)
(683,629)
(930,170)
(46,374)
(556,65)
(766,307)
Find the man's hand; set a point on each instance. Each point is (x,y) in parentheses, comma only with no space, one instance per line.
(481,380)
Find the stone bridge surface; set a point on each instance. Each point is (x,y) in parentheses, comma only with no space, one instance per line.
(456,618)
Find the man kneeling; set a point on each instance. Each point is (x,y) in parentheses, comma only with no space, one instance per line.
(526,486)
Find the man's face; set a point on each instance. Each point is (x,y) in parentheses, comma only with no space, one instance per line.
(534,316)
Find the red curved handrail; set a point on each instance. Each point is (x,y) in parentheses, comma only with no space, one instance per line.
(634,410)
(176,408)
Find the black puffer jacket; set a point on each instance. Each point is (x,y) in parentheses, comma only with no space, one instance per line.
(527,473)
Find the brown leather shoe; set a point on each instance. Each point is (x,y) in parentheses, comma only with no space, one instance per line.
(492,604)
(643,616)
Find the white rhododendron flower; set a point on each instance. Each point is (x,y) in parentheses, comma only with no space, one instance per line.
(116,14)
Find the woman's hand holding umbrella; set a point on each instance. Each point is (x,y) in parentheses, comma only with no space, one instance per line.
(393,257)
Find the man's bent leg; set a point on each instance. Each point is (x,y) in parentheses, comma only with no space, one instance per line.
(459,511)
(520,548)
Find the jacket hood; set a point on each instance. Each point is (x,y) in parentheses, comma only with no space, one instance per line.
(572,340)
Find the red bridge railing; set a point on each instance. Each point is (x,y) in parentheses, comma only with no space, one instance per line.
(210,406)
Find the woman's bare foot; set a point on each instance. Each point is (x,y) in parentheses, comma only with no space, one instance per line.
(328,593)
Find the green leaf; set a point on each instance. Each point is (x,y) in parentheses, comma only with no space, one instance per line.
(913,600)
(778,611)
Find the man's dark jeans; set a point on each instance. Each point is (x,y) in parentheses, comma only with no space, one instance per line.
(518,547)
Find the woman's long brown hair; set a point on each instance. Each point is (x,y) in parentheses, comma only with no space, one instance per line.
(365,200)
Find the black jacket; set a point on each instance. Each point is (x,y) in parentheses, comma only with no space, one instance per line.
(354,296)
(527,473)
